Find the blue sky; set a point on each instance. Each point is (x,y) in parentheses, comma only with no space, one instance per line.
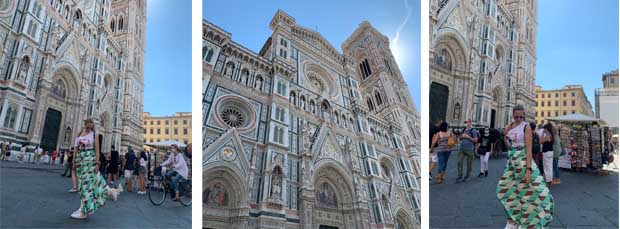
(335,20)
(577,43)
(168,64)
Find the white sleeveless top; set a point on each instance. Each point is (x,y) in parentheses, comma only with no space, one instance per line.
(517,134)
(88,141)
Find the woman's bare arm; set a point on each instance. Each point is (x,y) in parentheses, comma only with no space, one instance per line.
(528,149)
(97,162)
(434,142)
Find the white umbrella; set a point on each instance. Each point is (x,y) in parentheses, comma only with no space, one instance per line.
(166,144)
(575,118)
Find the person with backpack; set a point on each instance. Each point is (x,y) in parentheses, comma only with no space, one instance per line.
(130,167)
(469,138)
(526,200)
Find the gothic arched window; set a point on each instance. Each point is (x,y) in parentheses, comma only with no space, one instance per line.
(121,24)
(378,98)
(209,55)
(371,106)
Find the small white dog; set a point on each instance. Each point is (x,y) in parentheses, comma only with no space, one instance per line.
(114,192)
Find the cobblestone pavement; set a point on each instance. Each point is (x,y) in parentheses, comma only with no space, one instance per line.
(35,196)
(582,200)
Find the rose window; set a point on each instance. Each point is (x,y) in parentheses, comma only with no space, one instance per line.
(234,112)
(232,117)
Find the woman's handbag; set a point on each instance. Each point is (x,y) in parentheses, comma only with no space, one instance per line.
(451,141)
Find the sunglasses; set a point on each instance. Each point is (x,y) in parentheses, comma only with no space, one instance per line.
(518,117)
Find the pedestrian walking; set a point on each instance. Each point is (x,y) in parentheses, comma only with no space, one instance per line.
(2,151)
(68,165)
(38,151)
(469,138)
(442,143)
(526,201)
(485,147)
(113,168)
(130,166)
(73,171)
(142,172)
(547,139)
(54,154)
(87,162)
(434,129)
(7,151)
(45,158)
(557,152)
(22,153)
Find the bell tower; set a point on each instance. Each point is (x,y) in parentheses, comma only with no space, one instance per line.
(383,89)
(130,32)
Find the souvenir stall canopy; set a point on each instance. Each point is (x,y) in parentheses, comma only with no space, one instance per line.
(585,141)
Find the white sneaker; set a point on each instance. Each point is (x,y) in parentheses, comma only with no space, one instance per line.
(511,226)
(77,214)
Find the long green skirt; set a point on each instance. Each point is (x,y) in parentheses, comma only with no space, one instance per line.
(528,204)
(91,183)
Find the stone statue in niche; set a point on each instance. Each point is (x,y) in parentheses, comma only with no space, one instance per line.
(276,184)
(457,111)
(23,71)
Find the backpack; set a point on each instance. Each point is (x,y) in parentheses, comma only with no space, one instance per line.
(535,143)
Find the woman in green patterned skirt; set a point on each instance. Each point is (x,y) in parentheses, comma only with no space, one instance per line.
(87,162)
(521,189)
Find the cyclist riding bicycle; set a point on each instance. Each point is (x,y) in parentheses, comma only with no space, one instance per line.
(178,169)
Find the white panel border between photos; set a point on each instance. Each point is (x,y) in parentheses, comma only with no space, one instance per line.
(197,114)
(424,71)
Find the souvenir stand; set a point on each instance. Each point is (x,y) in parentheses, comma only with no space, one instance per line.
(583,139)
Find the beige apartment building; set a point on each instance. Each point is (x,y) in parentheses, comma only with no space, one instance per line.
(163,128)
(571,99)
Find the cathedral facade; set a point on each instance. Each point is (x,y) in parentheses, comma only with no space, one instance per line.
(482,60)
(64,61)
(300,135)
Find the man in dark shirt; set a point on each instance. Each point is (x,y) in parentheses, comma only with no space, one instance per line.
(130,166)
(112,173)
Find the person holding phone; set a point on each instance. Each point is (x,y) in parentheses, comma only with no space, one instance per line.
(521,189)
(86,163)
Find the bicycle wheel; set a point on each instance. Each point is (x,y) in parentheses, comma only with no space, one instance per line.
(157,191)
(185,194)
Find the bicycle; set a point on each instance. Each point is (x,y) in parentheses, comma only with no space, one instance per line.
(160,186)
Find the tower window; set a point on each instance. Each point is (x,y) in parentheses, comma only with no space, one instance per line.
(365,69)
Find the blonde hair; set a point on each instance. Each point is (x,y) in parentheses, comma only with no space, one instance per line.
(87,121)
